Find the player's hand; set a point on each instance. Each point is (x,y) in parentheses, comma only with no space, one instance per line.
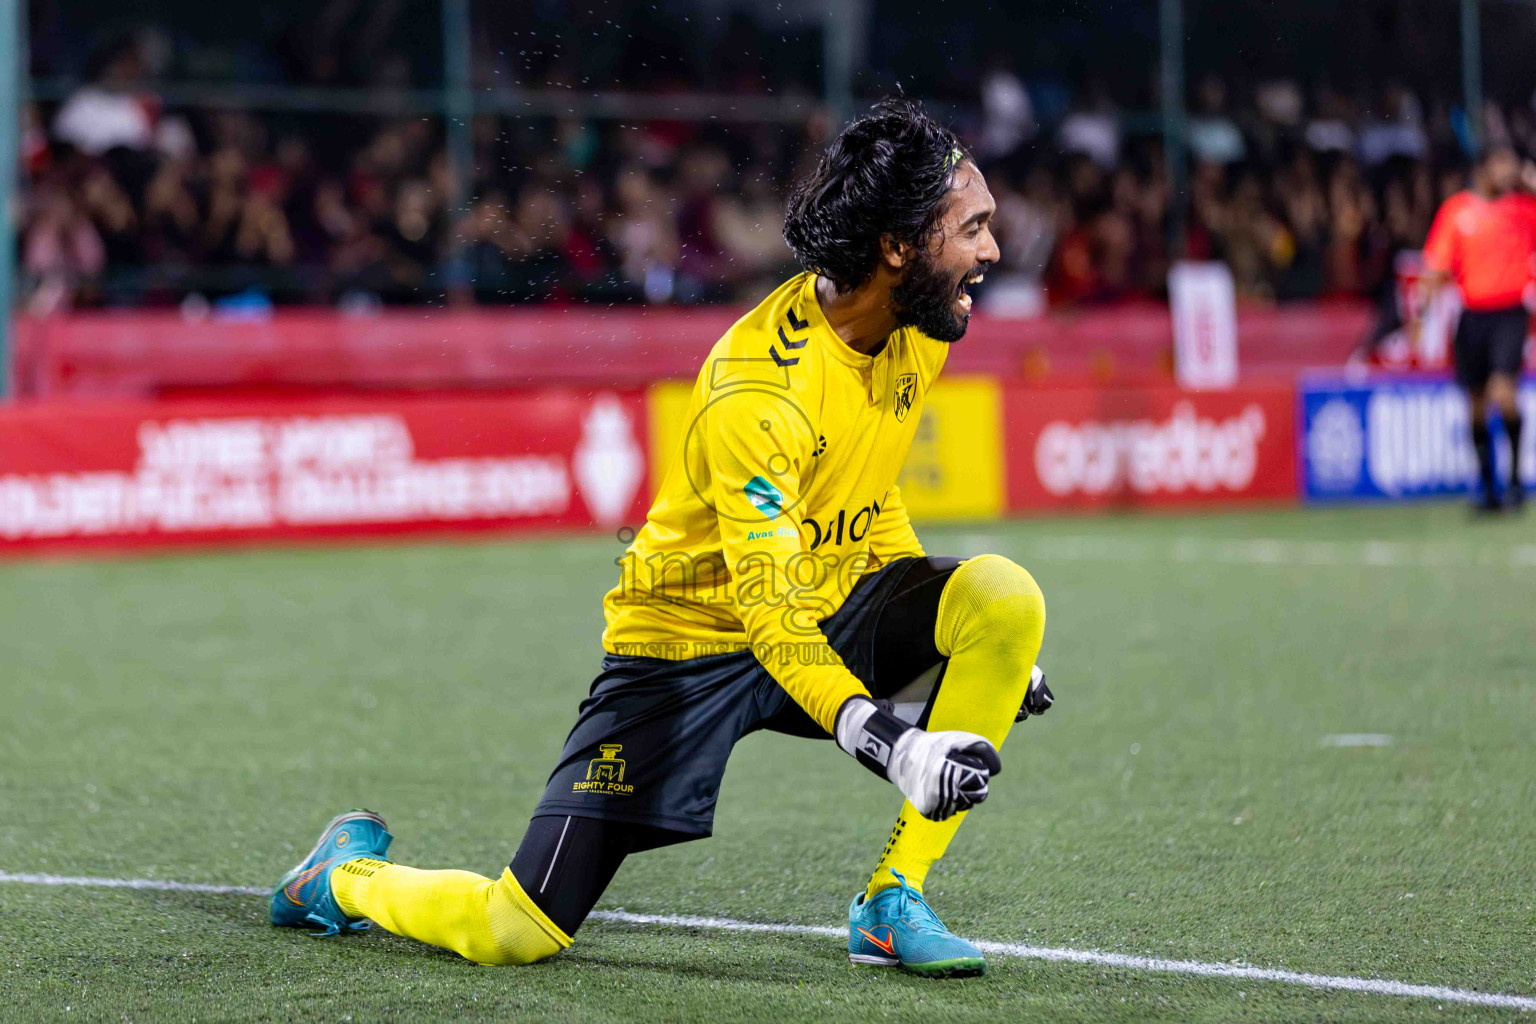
(1038,698)
(943,773)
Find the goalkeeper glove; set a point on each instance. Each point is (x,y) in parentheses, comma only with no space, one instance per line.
(942,773)
(1038,698)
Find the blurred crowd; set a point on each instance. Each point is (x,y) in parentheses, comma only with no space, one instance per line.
(1304,195)
(128,204)
(128,201)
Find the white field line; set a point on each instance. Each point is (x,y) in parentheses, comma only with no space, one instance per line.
(1264,551)
(131,883)
(1357,739)
(1019,950)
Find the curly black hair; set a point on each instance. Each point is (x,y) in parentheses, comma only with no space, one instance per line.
(885,174)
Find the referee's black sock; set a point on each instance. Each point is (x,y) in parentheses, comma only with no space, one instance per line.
(1512,426)
(1482,443)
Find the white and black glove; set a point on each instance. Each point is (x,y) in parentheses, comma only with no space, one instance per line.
(1038,698)
(942,773)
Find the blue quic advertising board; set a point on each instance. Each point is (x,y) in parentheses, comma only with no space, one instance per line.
(1390,438)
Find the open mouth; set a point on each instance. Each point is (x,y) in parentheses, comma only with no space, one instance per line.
(963,290)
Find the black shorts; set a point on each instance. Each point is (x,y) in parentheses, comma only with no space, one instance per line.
(1489,342)
(651,741)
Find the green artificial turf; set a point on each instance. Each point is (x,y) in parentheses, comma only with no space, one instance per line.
(198,718)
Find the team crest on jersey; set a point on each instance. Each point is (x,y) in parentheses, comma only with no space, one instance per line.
(605,774)
(906,394)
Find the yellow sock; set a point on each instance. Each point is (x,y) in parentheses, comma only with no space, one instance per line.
(490,922)
(990,624)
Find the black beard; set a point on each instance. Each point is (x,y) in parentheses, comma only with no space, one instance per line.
(925,299)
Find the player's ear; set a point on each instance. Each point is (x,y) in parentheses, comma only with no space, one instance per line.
(893,252)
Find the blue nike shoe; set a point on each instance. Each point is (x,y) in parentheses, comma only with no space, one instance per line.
(303,898)
(898,927)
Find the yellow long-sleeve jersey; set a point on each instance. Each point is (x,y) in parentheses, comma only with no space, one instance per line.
(782,496)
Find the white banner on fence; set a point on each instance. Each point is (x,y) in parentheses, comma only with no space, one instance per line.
(1204,306)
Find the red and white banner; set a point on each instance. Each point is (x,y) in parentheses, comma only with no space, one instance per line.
(1148,446)
(124,474)
(1203,301)
(151,353)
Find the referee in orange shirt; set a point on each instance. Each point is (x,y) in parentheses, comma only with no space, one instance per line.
(1484,238)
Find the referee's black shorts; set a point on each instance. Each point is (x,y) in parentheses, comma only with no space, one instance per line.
(651,741)
(1488,342)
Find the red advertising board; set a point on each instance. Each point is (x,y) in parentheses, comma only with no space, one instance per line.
(1148,446)
(134,474)
(152,353)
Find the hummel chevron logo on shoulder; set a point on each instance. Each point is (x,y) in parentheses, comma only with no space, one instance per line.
(789,345)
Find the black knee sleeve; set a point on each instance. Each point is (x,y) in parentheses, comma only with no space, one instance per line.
(565,863)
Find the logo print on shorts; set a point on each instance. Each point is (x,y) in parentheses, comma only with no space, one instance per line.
(605,773)
(906,393)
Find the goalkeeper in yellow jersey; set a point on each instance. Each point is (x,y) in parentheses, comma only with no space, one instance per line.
(777,584)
